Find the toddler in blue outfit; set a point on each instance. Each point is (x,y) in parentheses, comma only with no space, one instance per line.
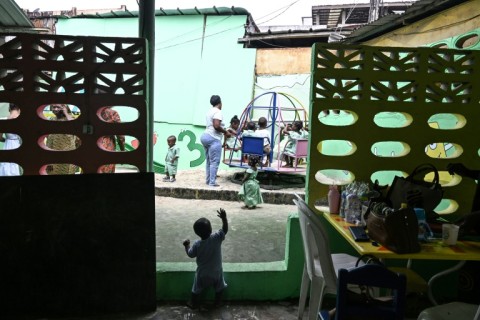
(208,254)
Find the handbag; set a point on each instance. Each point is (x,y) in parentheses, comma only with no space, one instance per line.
(416,192)
(396,230)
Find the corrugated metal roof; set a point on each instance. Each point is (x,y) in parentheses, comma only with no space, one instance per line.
(354,13)
(12,18)
(168,12)
(417,11)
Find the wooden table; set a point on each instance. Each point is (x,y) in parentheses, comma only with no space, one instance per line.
(432,250)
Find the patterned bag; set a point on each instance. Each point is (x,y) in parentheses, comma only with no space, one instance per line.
(416,192)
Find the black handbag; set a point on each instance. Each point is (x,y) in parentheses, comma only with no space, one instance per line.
(396,230)
(416,192)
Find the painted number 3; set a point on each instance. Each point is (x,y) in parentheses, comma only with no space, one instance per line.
(193,145)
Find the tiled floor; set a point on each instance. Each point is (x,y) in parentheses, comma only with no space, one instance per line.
(284,310)
(240,310)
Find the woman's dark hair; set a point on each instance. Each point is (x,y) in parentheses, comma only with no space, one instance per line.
(215,100)
(234,120)
(202,228)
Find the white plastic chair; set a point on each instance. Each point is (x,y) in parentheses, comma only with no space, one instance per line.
(321,266)
(451,311)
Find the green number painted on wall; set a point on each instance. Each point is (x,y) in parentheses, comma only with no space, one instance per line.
(193,145)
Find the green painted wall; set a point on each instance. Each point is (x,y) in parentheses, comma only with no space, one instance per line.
(190,65)
(468,40)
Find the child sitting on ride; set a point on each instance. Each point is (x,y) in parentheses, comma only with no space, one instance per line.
(263,133)
(305,132)
(231,140)
(294,133)
(249,130)
(250,190)
(281,141)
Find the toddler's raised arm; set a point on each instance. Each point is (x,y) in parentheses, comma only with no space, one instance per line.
(186,244)
(223,215)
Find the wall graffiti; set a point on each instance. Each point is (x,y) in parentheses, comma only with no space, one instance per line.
(192,146)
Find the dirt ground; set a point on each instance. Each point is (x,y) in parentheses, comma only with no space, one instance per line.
(254,235)
(257,235)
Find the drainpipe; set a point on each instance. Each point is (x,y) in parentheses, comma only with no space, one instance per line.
(146,29)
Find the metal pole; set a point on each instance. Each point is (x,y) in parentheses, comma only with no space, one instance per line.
(146,29)
(374,10)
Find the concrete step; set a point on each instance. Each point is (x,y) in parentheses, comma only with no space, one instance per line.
(190,184)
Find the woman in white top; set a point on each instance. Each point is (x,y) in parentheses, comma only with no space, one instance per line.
(212,139)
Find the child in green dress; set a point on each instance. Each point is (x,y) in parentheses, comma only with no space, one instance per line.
(250,190)
(231,140)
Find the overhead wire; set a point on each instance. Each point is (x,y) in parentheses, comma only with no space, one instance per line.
(290,86)
(285,8)
(355,3)
(271,44)
(199,38)
(195,29)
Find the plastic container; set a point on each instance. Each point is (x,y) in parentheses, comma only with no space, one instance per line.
(333,199)
(343,203)
(424,231)
(353,209)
